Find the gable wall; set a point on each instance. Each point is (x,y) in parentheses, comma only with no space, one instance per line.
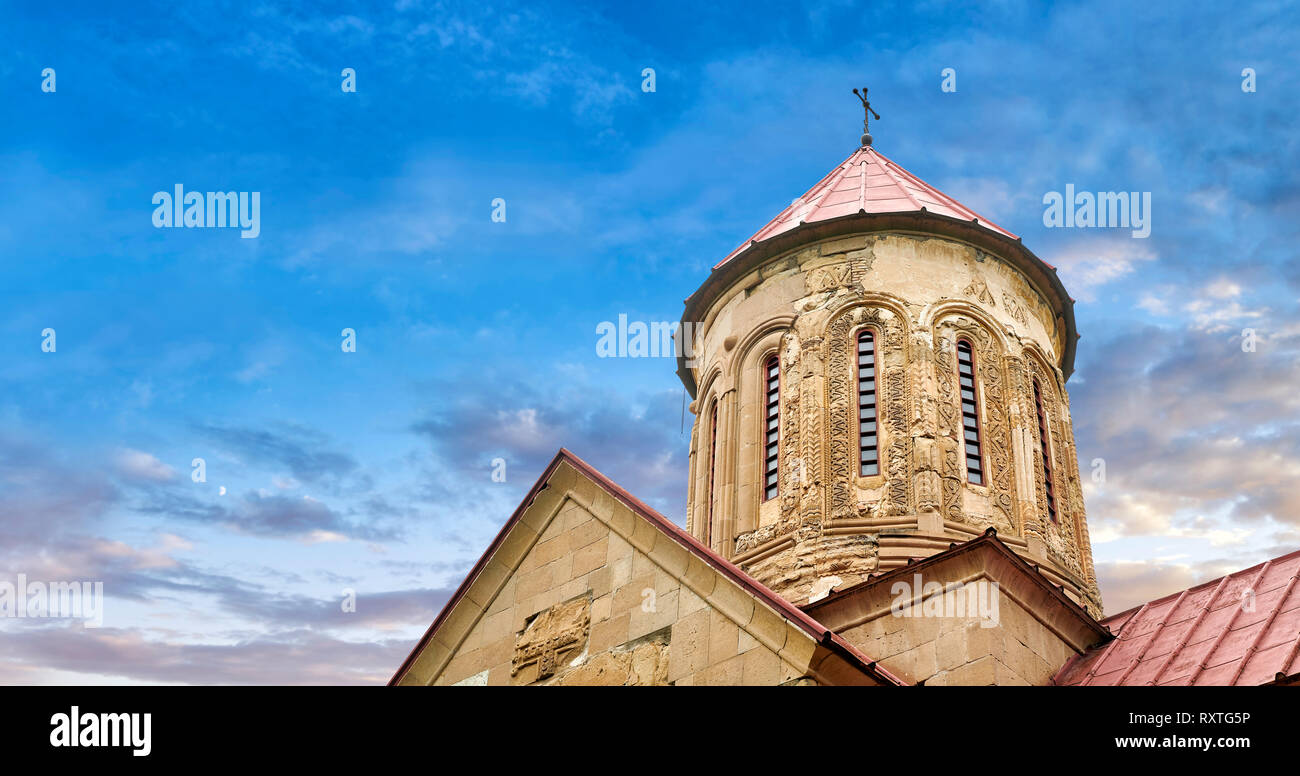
(647,611)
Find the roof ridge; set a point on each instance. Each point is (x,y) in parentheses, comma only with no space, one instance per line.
(989,537)
(885,165)
(1254,643)
(978,218)
(1182,642)
(1151,637)
(1200,667)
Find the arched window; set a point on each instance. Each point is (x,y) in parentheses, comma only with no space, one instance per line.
(713,465)
(772,427)
(868,439)
(970,418)
(1046,451)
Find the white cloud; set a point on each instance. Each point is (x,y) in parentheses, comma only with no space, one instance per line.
(1222,288)
(1086,266)
(1215,306)
(139,465)
(319,536)
(1153,304)
(158,557)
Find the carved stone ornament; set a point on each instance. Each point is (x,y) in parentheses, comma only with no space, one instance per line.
(978,290)
(1014,308)
(1060,535)
(994,421)
(829,278)
(551,635)
(842,406)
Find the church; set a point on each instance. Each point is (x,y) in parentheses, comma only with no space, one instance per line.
(883,490)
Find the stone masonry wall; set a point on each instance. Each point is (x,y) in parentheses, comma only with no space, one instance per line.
(586,607)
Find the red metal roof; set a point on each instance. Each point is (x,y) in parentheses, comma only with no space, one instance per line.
(805,622)
(867,182)
(1242,629)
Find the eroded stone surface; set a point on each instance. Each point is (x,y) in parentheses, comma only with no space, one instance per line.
(919,295)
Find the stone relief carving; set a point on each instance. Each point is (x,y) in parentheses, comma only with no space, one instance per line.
(978,290)
(925,408)
(760,536)
(922,465)
(791,349)
(997,425)
(926,481)
(927,450)
(829,278)
(896,461)
(951,471)
(808,416)
(1029,296)
(1022,405)
(1059,535)
(551,636)
(994,421)
(842,410)
(1014,308)
(1066,540)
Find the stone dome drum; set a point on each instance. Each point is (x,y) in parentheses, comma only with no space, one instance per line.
(877,373)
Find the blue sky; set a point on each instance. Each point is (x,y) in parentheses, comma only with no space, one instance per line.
(371,471)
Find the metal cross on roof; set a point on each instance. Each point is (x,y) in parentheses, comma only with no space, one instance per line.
(867,113)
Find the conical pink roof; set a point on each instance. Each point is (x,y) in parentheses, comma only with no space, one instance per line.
(866,182)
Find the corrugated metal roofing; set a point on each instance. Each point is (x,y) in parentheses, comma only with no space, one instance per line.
(867,182)
(1242,629)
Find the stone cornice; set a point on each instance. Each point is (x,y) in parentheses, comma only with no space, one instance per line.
(1041,275)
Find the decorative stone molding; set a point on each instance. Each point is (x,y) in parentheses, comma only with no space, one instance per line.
(791,487)
(760,536)
(1059,535)
(808,415)
(842,409)
(994,421)
(952,477)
